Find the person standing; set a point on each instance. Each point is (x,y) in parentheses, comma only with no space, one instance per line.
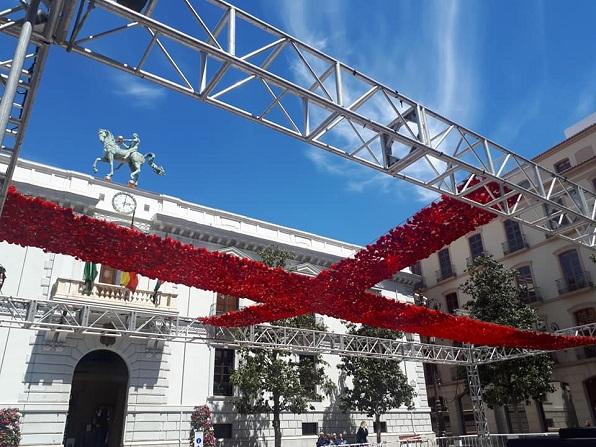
(323,440)
(362,433)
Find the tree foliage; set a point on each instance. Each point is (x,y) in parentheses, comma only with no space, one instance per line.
(273,382)
(496,296)
(377,385)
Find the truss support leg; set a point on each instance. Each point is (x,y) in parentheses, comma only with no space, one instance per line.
(478,406)
(10,90)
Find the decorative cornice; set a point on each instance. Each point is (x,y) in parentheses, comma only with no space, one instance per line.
(409,279)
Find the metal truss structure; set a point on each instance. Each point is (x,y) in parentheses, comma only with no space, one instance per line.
(587,330)
(20,73)
(217,53)
(98,319)
(478,405)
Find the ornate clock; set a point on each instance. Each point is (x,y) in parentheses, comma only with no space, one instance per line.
(124,203)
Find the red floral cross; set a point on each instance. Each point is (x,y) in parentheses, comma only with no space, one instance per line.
(338,292)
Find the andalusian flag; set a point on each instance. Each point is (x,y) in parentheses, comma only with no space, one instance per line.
(89,275)
(155,296)
(130,280)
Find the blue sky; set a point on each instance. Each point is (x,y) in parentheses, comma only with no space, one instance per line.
(517,72)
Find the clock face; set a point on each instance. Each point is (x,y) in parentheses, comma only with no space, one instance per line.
(124,203)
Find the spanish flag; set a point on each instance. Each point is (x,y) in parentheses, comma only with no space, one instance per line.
(130,280)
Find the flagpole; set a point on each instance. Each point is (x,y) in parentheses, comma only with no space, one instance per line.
(132,218)
(132,225)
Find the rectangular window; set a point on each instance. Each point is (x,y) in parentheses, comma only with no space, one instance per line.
(587,316)
(225,303)
(416,269)
(430,373)
(525,184)
(383,427)
(452,302)
(446,269)
(223,369)
(307,369)
(222,431)
(310,428)
(559,221)
(108,275)
(476,247)
(529,294)
(562,165)
(574,277)
(515,238)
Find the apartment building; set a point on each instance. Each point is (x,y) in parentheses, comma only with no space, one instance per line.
(559,278)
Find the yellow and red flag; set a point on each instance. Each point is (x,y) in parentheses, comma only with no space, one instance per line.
(130,280)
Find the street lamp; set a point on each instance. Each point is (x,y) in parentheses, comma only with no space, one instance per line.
(2,276)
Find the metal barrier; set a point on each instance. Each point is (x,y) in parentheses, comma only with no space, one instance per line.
(496,440)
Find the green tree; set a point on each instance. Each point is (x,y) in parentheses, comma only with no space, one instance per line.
(271,381)
(496,296)
(377,385)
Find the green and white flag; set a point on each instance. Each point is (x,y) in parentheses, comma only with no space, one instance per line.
(89,275)
(155,296)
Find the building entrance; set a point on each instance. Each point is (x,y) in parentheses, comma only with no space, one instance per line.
(591,390)
(97,401)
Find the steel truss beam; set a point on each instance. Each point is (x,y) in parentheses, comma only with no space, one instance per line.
(236,61)
(98,319)
(478,405)
(21,66)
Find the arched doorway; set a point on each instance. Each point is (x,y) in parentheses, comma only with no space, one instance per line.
(97,401)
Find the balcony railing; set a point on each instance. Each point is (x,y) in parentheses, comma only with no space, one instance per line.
(580,280)
(445,273)
(113,294)
(515,244)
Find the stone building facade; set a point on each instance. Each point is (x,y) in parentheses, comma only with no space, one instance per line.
(69,384)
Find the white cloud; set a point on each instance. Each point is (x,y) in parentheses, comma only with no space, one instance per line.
(142,93)
(437,61)
(586,103)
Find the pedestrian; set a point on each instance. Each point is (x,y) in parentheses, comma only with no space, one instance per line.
(333,439)
(340,440)
(323,440)
(362,433)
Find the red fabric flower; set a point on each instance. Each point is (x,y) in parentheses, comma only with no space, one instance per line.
(339,291)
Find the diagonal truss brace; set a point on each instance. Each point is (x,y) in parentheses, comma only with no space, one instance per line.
(99,319)
(341,110)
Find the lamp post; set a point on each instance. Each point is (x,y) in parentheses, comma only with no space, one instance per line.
(2,276)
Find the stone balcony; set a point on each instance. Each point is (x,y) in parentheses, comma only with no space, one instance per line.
(72,290)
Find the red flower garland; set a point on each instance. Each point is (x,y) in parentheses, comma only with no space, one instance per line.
(336,292)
